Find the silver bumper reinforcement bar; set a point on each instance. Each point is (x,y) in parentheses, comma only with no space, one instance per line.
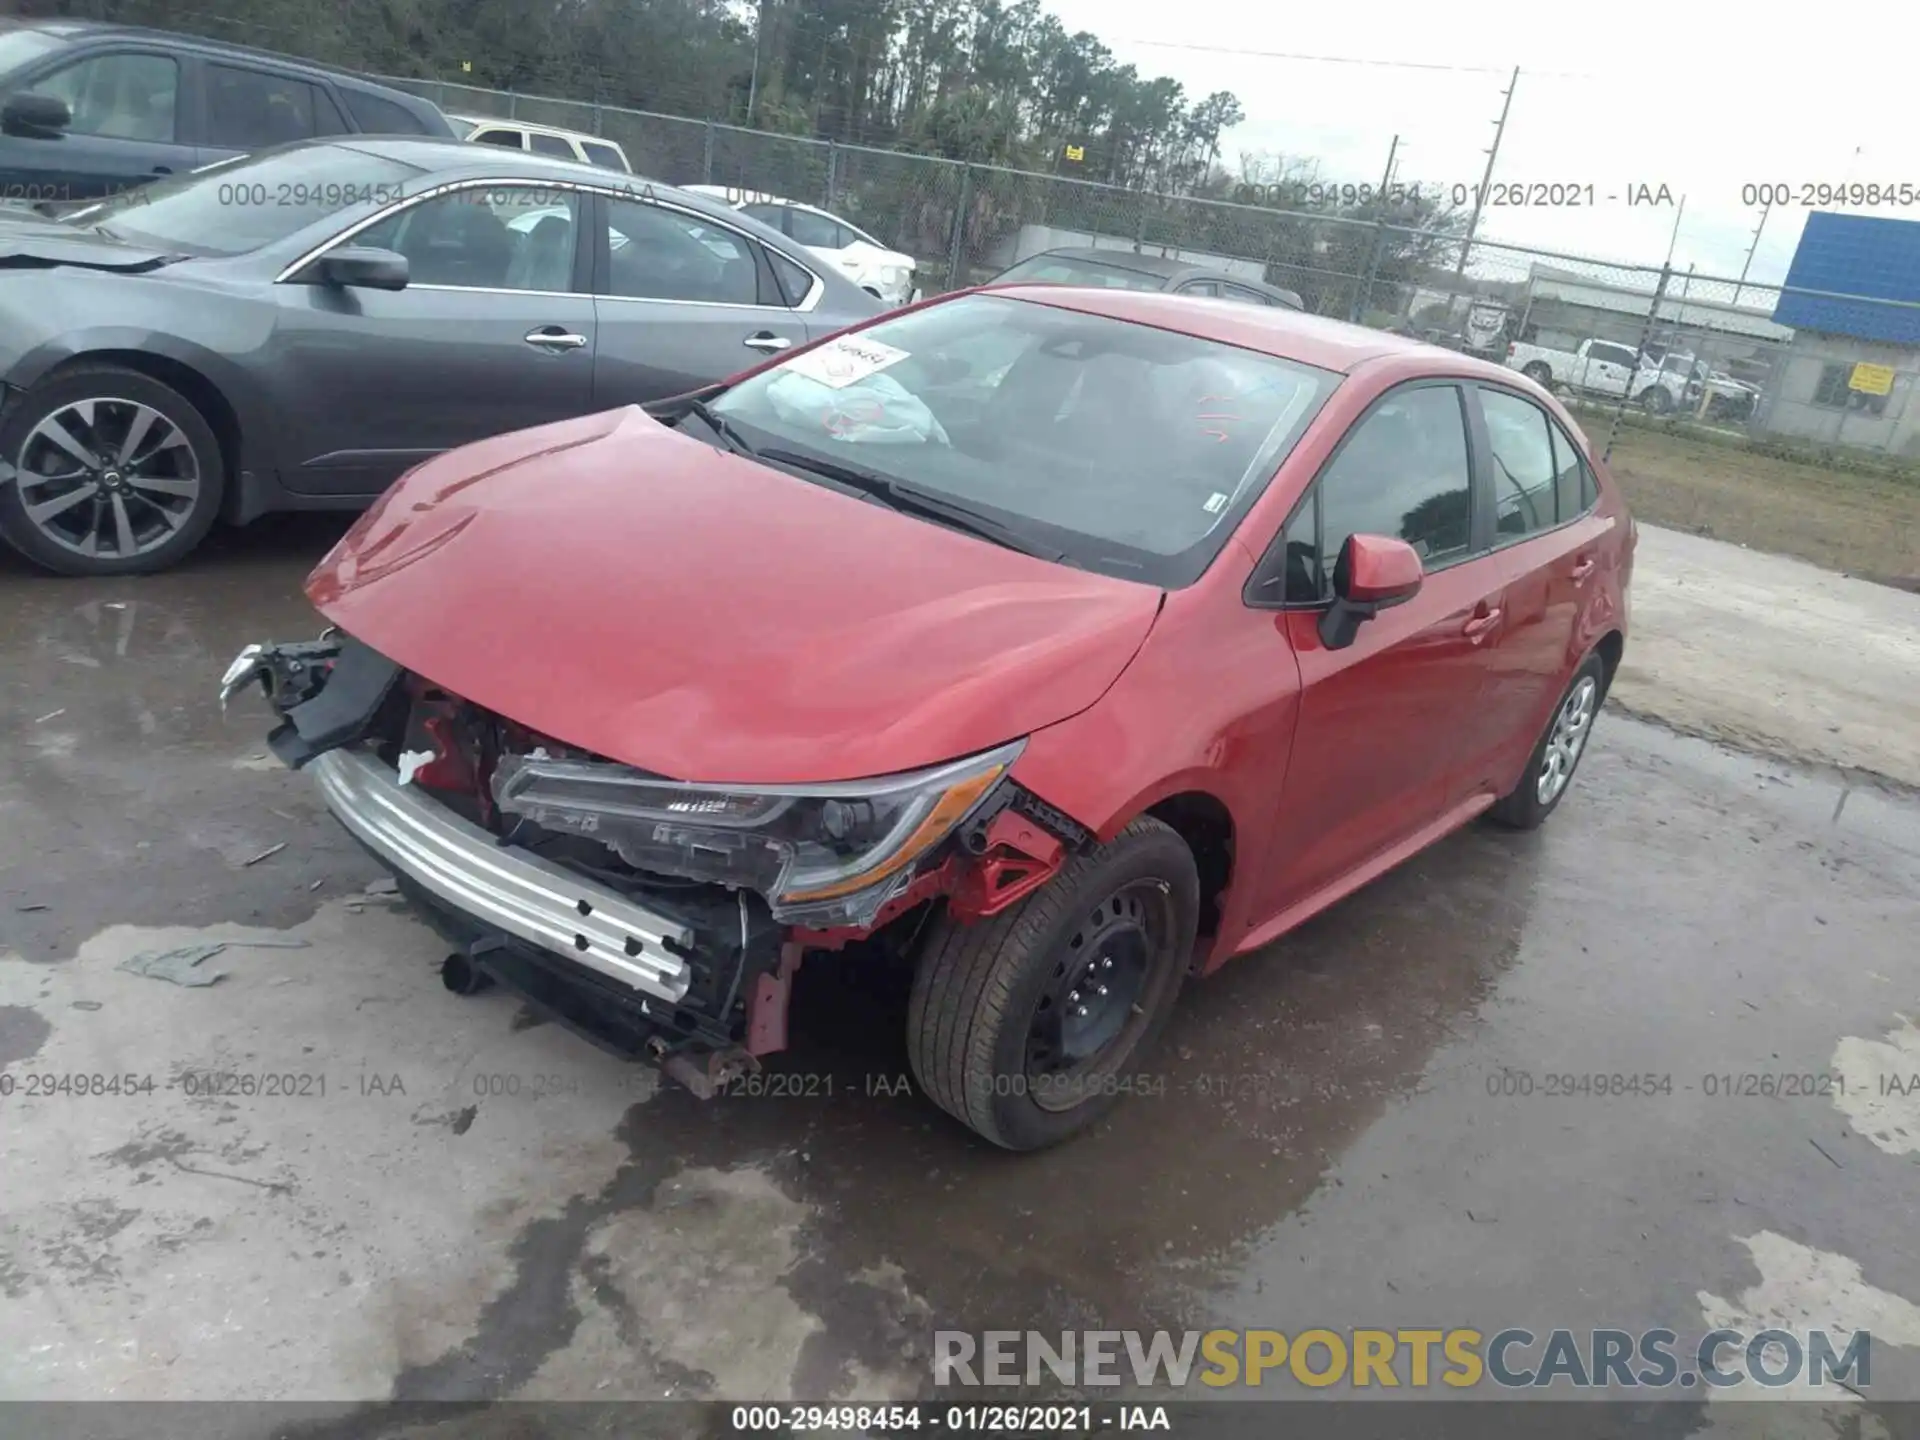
(504,886)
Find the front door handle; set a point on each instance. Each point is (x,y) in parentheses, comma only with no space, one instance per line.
(1481,623)
(768,341)
(163,169)
(1582,568)
(553,337)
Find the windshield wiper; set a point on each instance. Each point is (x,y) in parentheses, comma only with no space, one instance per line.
(916,502)
(729,436)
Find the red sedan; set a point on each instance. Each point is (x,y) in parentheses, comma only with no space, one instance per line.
(1050,645)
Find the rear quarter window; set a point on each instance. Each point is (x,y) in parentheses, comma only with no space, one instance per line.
(377,115)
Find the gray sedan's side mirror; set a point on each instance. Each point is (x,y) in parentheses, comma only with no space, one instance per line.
(362,267)
(41,115)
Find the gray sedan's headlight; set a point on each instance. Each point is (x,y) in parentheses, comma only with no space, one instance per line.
(821,854)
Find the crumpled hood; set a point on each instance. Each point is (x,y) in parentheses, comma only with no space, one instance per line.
(637,593)
(28,240)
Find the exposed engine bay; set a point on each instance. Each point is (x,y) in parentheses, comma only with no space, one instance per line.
(662,921)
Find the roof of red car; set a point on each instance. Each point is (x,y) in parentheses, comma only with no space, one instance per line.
(1289,334)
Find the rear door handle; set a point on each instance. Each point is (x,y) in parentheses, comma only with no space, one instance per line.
(1582,568)
(1481,623)
(553,337)
(768,341)
(163,169)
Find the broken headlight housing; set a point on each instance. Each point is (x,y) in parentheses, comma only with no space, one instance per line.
(822,855)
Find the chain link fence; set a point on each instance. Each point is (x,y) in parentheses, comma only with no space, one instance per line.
(1627,344)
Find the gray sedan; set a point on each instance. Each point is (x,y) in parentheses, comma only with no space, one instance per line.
(295,328)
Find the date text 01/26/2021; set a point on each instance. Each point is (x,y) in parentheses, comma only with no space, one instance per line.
(1563,194)
(1721,1085)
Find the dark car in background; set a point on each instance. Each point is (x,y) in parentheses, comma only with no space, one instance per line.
(293,329)
(1125,270)
(89,109)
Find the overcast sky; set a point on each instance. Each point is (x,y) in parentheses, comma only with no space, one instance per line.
(1704,101)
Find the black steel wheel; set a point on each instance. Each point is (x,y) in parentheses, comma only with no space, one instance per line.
(1088,1010)
(1030,1025)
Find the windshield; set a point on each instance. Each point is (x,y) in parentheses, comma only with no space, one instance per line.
(1130,450)
(231,208)
(1068,270)
(17,47)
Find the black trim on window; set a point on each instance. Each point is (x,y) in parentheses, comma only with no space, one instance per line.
(1272,568)
(1483,478)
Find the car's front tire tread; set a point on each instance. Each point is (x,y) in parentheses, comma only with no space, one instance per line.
(963,989)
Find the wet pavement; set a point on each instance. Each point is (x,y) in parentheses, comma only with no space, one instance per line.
(445,1199)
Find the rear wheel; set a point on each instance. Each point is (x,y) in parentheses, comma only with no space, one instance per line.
(116,473)
(1023,1026)
(1657,398)
(1550,768)
(1538,372)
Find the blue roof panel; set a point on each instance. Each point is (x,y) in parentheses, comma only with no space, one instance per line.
(1866,255)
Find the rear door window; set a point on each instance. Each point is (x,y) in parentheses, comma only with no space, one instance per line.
(670,255)
(1524,472)
(556,145)
(255,109)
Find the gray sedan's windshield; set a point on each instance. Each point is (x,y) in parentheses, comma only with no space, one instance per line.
(18,46)
(241,205)
(1129,449)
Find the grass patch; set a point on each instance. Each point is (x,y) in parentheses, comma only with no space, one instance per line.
(1859,522)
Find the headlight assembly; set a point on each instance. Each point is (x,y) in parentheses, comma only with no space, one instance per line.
(828,854)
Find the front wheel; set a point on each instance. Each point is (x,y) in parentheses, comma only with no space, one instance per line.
(115,473)
(1550,768)
(1023,1026)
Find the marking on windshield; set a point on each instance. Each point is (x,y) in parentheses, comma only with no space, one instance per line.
(845,361)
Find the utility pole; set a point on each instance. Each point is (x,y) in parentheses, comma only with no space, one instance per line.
(1747,264)
(753,84)
(1674,239)
(1480,195)
(1386,177)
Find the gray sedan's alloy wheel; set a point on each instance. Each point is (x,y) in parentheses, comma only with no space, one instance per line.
(113,473)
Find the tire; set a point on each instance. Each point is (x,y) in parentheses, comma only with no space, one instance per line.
(1523,807)
(984,994)
(1538,372)
(168,492)
(1657,398)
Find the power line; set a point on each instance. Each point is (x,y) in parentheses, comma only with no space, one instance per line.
(1350,60)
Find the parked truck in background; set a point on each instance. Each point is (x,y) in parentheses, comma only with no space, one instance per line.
(1604,367)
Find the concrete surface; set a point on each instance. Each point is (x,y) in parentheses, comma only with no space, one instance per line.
(1771,653)
(481,1206)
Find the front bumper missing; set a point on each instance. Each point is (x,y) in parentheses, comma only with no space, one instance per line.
(504,886)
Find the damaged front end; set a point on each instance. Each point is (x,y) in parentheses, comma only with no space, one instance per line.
(662,920)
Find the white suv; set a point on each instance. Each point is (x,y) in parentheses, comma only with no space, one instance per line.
(543,140)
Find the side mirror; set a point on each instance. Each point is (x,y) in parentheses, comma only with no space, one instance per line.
(361,266)
(1373,573)
(38,115)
